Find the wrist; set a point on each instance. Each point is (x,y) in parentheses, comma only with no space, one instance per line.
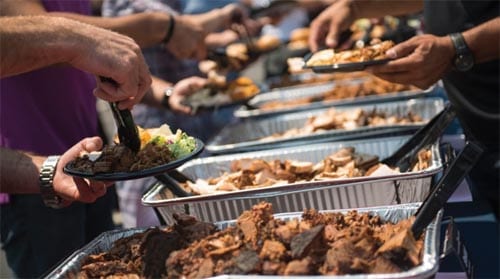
(46,179)
(166,97)
(169,30)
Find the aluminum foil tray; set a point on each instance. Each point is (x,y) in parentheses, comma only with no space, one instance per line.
(253,107)
(244,136)
(322,195)
(430,261)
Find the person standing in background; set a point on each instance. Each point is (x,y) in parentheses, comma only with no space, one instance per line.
(185,75)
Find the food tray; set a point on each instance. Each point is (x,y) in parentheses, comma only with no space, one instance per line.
(244,136)
(70,267)
(322,195)
(253,107)
(308,79)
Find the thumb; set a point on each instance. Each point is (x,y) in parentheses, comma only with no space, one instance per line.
(401,50)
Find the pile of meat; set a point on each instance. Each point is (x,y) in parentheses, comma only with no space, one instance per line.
(143,255)
(257,173)
(119,158)
(346,120)
(374,51)
(369,86)
(318,244)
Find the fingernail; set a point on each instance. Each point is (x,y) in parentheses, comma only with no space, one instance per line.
(391,53)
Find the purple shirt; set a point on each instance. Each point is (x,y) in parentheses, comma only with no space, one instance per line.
(49,110)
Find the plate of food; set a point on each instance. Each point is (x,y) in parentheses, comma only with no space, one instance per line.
(161,151)
(328,60)
(238,55)
(217,94)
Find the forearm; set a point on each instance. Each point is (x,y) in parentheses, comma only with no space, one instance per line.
(146,29)
(19,172)
(483,40)
(35,43)
(155,94)
(379,8)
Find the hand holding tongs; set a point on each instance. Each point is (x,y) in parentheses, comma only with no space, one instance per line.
(243,31)
(127,130)
(405,156)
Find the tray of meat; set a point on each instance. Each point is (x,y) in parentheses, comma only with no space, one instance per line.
(372,243)
(307,79)
(359,91)
(324,176)
(327,124)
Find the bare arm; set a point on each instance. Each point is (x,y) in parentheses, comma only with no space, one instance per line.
(481,40)
(423,60)
(32,42)
(145,28)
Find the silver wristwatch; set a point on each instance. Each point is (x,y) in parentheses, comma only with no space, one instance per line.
(49,196)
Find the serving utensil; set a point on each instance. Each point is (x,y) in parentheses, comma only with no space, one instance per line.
(128,133)
(445,187)
(406,155)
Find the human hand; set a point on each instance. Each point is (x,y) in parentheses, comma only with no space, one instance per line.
(112,55)
(188,39)
(326,28)
(182,90)
(420,61)
(74,188)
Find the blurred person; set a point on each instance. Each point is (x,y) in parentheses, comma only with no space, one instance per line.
(461,48)
(29,221)
(174,76)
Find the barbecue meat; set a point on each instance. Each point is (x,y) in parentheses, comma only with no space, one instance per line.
(316,244)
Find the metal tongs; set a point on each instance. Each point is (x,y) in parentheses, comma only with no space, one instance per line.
(127,130)
(445,187)
(406,155)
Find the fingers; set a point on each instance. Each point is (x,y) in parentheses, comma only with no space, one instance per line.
(317,33)
(86,193)
(331,39)
(403,49)
(400,65)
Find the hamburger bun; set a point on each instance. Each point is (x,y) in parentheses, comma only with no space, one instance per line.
(267,42)
(299,34)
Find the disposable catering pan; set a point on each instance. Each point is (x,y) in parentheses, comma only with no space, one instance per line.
(70,267)
(246,135)
(253,108)
(322,195)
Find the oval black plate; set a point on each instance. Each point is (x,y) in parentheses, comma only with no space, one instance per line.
(117,176)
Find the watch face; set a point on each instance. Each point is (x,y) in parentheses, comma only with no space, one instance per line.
(464,62)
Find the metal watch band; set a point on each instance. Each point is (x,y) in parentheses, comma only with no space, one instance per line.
(459,43)
(46,179)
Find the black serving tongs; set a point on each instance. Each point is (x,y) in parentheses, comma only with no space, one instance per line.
(127,130)
(406,155)
(445,187)
(171,182)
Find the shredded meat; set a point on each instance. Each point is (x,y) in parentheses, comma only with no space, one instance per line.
(369,86)
(318,244)
(118,158)
(347,120)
